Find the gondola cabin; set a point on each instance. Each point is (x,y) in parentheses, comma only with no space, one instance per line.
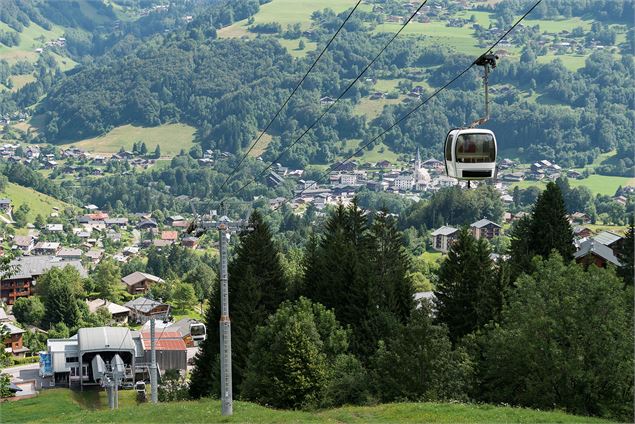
(470,154)
(198,332)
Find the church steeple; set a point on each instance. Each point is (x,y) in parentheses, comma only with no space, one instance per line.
(418,160)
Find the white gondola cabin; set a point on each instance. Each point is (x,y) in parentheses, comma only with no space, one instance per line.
(198,331)
(470,154)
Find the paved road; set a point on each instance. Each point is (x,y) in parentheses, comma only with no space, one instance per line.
(27,377)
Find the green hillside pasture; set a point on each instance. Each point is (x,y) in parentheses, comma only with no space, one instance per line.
(28,42)
(40,204)
(598,184)
(287,12)
(62,405)
(373,108)
(378,153)
(20,81)
(292,46)
(437,33)
(171,137)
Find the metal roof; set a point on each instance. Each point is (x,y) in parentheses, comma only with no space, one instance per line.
(34,266)
(137,277)
(143,304)
(607,238)
(598,249)
(444,231)
(483,222)
(104,338)
(169,340)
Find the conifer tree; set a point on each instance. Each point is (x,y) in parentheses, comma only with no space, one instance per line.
(466,289)
(626,255)
(550,228)
(391,268)
(256,288)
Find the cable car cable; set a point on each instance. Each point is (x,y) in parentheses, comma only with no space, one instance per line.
(297,140)
(407,115)
(237,167)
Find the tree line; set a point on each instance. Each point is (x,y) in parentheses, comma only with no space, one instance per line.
(346,329)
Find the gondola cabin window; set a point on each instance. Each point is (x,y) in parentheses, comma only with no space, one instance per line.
(475,148)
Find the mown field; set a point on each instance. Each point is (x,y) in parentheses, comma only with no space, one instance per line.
(171,137)
(62,405)
(598,184)
(40,204)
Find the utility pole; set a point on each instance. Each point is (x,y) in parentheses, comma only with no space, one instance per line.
(153,363)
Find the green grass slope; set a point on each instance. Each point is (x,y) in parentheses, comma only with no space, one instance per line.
(40,204)
(62,405)
(171,137)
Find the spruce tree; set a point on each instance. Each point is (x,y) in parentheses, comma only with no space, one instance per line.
(391,268)
(520,250)
(626,254)
(550,228)
(465,289)
(256,288)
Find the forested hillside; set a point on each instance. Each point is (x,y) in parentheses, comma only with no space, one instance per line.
(230,88)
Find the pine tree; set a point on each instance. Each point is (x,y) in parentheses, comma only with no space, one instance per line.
(550,228)
(465,290)
(157,152)
(143,149)
(256,288)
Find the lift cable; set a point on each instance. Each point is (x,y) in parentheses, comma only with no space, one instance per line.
(407,115)
(297,140)
(237,167)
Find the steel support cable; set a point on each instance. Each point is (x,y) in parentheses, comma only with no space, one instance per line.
(237,167)
(297,140)
(407,115)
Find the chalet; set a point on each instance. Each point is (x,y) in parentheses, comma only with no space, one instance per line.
(69,254)
(377,185)
(378,95)
(274,179)
(116,222)
(190,242)
(174,218)
(119,314)
(46,248)
(609,239)
(485,228)
(326,101)
(171,236)
(384,164)
(14,343)
(139,282)
(582,232)
(94,256)
(433,163)
(160,243)
(574,174)
(180,224)
(622,200)
(23,243)
(54,228)
(142,309)
(442,238)
(5,205)
(579,218)
(21,281)
(591,252)
(147,224)
(513,177)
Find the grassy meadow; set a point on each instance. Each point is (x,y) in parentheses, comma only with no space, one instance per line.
(62,405)
(171,137)
(598,184)
(40,204)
